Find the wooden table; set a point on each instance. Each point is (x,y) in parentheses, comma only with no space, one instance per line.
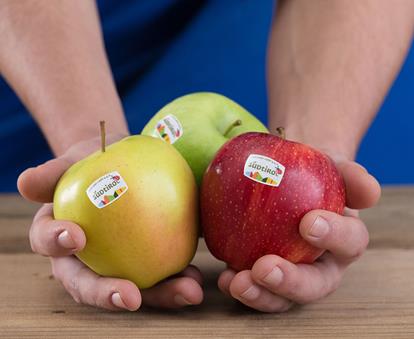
(375,300)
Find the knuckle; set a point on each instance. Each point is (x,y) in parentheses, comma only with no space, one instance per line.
(294,285)
(87,288)
(359,249)
(32,238)
(356,253)
(33,246)
(287,306)
(332,282)
(76,299)
(43,239)
(56,272)
(292,280)
(334,286)
(99,296)
(73,286)
(73,292)
(365,238)
(328,286)
(320,288)
(279,306)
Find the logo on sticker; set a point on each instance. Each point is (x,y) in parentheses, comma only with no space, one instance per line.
(264,170)
(107,189)
(169,129)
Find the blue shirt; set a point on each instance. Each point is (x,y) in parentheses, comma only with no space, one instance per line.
(161,49)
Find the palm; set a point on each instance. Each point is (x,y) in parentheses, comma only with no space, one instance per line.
(60,239)
(274,284)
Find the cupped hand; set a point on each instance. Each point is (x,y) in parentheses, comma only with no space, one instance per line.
(61,239)
(275,284)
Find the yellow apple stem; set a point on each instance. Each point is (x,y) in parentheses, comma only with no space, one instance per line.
(238,122)
(281,132)
(102,124)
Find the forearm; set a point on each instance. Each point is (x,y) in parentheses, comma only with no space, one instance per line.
(52,55)
(330,65)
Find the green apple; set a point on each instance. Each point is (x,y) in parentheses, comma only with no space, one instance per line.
(137,204)
(199,124)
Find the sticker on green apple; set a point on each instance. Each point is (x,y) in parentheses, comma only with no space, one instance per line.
(264,170)
(169,129)
(106,189)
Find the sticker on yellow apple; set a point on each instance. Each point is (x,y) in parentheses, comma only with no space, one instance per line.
(106,189)
(169,129)
(264,170)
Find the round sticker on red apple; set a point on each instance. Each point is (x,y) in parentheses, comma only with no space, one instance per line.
(264,170)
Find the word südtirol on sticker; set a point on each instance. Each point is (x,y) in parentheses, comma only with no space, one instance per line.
(106,189)
(169,129)
(264,170)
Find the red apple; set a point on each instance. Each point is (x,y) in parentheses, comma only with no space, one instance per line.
(255,192)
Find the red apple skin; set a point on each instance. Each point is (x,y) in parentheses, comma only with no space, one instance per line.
(244,220)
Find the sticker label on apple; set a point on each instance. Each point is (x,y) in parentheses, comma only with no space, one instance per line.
(106,189)
(264,170)
(169,129)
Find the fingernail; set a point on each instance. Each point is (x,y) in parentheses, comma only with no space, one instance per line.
(251,293)
(319,228)
(180,300)
(66,241)
(274,277)
(117,300)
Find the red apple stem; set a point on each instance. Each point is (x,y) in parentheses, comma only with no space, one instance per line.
(238,122)
(281,132)
(102,124)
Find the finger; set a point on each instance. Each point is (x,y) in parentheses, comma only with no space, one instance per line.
(362,189)
(345,236)
(244,289)
(192,272)
(38,183)
(89,288)
(224,281)
(301,283)
(174,293)
(55,237)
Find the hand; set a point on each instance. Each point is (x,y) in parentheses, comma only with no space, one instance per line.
(60,240)
(274,284)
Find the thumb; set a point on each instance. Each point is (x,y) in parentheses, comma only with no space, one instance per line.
(38,183)
(362,189)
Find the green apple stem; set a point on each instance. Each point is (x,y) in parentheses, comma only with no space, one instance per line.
(281,132)
(102,124)
(238,122)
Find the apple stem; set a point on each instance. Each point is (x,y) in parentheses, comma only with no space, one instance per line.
(102,124)
(281,132)
(238,122)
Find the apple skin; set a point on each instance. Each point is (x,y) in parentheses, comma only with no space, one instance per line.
(243,220)
(204,117)
(150,232)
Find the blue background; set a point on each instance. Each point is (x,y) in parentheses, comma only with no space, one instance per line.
(162,49)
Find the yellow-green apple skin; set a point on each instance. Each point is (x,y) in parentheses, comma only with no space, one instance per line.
(150,231)
(205,117)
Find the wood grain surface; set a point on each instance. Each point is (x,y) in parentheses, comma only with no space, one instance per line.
(375,300)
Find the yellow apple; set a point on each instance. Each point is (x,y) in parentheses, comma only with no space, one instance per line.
(137,204)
